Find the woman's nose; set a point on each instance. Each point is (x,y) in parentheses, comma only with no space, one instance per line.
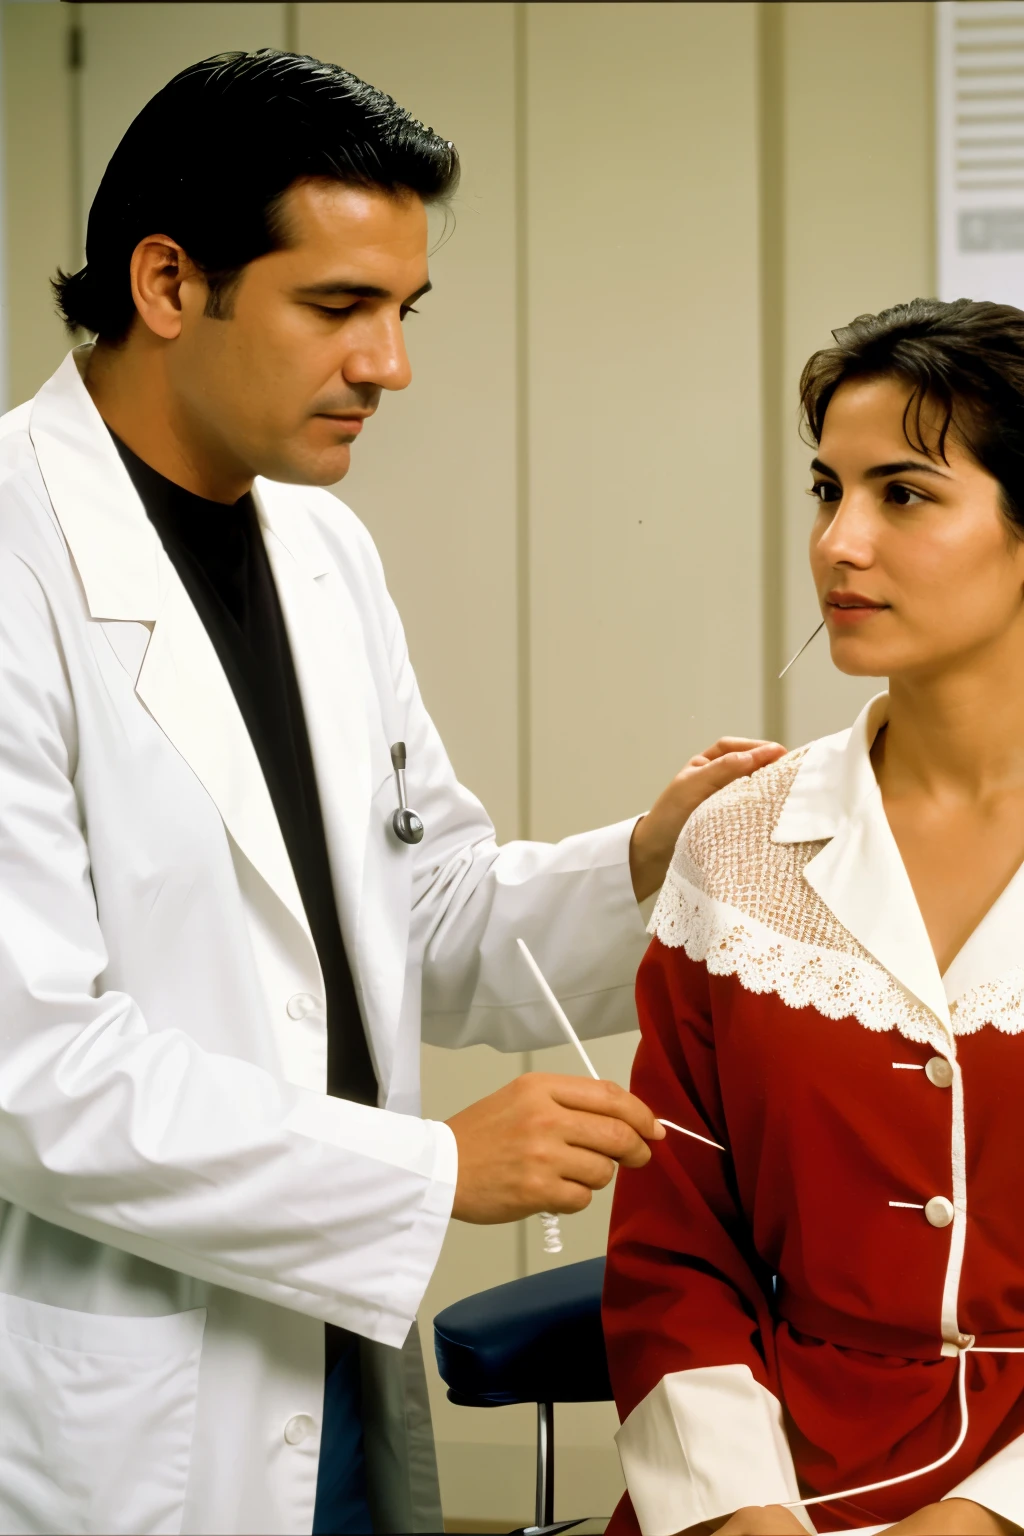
(849,536)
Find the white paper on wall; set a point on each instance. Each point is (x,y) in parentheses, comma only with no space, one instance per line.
(980,145)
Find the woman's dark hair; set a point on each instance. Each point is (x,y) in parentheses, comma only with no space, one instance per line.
(964,358)
(209,158)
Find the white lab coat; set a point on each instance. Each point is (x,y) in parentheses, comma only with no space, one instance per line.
(183,1206)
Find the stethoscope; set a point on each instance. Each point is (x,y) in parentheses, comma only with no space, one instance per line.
(408,826)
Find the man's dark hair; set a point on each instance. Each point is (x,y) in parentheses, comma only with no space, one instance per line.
(966,358)
(209,159)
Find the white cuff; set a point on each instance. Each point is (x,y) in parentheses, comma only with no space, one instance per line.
(998,1484)
(703,1444)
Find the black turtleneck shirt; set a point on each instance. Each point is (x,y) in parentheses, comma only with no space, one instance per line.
(219,554)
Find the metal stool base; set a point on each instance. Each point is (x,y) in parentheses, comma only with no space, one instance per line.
(544,1512)
(549,1530)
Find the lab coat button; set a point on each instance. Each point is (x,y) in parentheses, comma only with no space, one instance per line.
(939,1072)
(939,1211)
(301,1005)
(299,1428)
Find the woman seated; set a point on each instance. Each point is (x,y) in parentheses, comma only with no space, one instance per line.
(821,1326)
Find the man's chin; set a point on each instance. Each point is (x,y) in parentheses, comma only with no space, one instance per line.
(323,468)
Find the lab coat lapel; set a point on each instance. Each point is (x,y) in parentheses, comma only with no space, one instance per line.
(184,687)
(337,691)
(126,575)
(859,873)
(349,743)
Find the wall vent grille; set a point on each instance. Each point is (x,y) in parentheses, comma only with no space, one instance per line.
(980,143)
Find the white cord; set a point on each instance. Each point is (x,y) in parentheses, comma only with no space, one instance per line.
(906,1477)
(552,1232)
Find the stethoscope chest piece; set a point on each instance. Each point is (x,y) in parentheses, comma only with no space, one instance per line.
(407,825)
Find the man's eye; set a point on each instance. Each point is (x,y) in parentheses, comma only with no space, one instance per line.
(825,491)
(409,310)
(335,311)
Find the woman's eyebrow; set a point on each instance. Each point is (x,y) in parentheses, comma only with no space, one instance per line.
(902,467)
(883,471)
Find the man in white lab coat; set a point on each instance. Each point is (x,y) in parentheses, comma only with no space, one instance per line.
(217,958)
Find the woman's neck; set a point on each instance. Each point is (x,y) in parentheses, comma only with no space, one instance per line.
(960,731)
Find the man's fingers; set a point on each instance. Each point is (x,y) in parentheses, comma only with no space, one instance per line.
(606,1099)
(734,744)
(736,765)
(577,1165)
(543,1142)
(569,1198)
(611,1138)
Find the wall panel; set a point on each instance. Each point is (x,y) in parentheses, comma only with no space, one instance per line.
(131,50)
(858,175)
(644,532)
(38,228)
(644,400)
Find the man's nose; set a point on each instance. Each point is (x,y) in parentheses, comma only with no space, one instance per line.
(381,360)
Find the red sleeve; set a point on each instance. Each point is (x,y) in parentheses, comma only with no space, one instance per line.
(683,1287)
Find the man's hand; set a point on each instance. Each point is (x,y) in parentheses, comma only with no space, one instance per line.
(543,1143)
(954,1517)
(654,836)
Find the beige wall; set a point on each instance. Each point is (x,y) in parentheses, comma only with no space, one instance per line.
(590,504)
(858,235)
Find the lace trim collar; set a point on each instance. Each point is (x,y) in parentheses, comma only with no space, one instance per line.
(804,975)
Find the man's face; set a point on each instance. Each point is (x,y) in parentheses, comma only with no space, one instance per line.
(313,334)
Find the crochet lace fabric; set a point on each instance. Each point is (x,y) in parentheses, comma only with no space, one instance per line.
(738,902)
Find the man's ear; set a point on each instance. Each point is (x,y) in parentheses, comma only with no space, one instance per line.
(160,269)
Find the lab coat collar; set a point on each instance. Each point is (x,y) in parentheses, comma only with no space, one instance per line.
(126,575)
(114,546)
(116,549)
(859,873)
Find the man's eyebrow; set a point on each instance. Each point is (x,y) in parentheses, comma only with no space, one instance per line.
(338,288)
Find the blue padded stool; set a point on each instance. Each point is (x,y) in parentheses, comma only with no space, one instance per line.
(536,1340)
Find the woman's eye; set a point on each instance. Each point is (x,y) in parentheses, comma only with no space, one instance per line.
(903,495)
(825,491)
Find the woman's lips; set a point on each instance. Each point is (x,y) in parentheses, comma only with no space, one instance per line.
(846,609)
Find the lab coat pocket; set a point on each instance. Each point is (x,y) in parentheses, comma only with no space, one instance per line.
(96,1418)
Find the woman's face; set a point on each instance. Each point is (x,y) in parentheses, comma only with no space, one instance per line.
(916,568)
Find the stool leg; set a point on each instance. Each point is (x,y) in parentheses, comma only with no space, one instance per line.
(545,1505)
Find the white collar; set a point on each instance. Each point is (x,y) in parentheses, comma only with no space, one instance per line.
(861,877)
(834,780)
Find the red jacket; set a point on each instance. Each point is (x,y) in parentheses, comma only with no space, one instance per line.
(788,1317)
